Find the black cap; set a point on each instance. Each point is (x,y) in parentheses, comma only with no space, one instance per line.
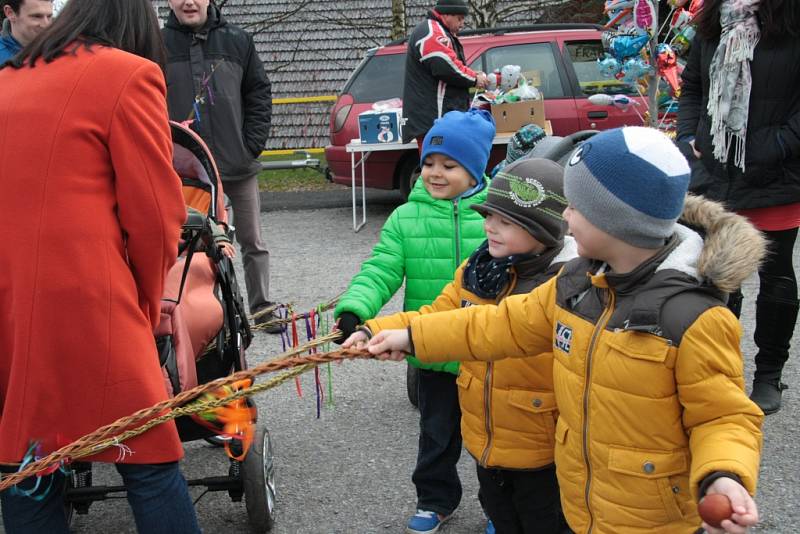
(452,7)
(530,192)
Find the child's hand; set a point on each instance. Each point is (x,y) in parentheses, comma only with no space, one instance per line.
(697,153)
(357,341)
(391,345)
(745,511)
(227,250)
(221,240)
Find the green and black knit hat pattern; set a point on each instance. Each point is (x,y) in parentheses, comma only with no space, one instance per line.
(530,193)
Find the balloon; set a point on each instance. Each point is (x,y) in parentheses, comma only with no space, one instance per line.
(609,66)
(683,40)
(618,5)
(620,13)
(635,68)
(667,102)
(667,63)
(694,7)
(625,46)
(677,3)
(680,20)
(618,101)
(601,99)
(644,14)
(624,102)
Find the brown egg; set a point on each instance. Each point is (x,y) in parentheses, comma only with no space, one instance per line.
(715,508)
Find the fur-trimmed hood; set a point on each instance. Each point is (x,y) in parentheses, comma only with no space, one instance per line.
(732,248)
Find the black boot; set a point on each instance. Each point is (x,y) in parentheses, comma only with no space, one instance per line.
(775,321)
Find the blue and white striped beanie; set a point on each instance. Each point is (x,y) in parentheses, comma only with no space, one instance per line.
(629,182)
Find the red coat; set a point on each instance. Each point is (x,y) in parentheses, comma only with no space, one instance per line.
(92,210)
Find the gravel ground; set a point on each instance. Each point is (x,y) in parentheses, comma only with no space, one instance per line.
(349,471)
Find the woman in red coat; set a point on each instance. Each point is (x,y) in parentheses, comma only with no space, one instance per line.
(92,214)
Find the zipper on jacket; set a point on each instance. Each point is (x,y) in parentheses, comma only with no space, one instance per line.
(458,235)
(487,384)
(601,324)
(487,406)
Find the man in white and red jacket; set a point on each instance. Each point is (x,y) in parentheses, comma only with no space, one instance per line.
(437,77)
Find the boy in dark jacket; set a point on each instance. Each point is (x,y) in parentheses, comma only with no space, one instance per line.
(424,241)
(437,79)
(508,407)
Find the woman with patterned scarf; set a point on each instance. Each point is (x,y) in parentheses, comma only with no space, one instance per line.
(739,126)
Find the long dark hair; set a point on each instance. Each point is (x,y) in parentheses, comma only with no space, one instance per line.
(129,25)
(778,19)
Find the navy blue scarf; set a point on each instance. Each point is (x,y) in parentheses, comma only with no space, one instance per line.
(488,277)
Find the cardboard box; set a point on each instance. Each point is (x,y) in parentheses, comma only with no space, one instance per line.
(378,127)
(511,117)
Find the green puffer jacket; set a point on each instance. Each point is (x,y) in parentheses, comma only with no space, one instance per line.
(423,241)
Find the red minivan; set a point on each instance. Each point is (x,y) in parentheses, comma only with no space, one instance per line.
(565,56)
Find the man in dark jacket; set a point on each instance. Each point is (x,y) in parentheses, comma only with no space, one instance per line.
(437,77)
(215,79)
(24,19)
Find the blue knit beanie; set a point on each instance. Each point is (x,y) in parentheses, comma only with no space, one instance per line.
(463,136)
(629,182)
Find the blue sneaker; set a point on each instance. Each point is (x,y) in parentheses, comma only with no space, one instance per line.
(425,522)
(490,527)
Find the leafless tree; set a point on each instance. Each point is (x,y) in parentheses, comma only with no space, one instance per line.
(394,24)
(491,13)
(261,25)
(590,11)
(398,19)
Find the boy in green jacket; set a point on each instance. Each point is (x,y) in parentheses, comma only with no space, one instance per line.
(424,241)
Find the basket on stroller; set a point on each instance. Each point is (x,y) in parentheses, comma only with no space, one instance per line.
(203,335)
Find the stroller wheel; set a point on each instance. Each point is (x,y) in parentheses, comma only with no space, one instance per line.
(258,477)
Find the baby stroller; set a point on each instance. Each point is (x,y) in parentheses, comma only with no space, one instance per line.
(203,335)
(559,149)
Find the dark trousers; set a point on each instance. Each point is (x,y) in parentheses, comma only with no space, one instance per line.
(436,475)
(776,305)
(157,494)
(246,203)
(779,258)
(521,502)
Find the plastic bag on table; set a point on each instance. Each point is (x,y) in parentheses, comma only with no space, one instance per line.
(526,91)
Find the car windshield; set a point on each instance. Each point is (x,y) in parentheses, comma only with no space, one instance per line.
(584,56)
(381,78)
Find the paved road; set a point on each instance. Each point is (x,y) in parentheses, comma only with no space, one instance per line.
(349,471)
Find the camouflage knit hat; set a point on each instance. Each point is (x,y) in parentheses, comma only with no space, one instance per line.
(523,142)
(530,192)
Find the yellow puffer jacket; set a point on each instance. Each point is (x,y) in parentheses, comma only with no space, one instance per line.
(508,412)
(647,374)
